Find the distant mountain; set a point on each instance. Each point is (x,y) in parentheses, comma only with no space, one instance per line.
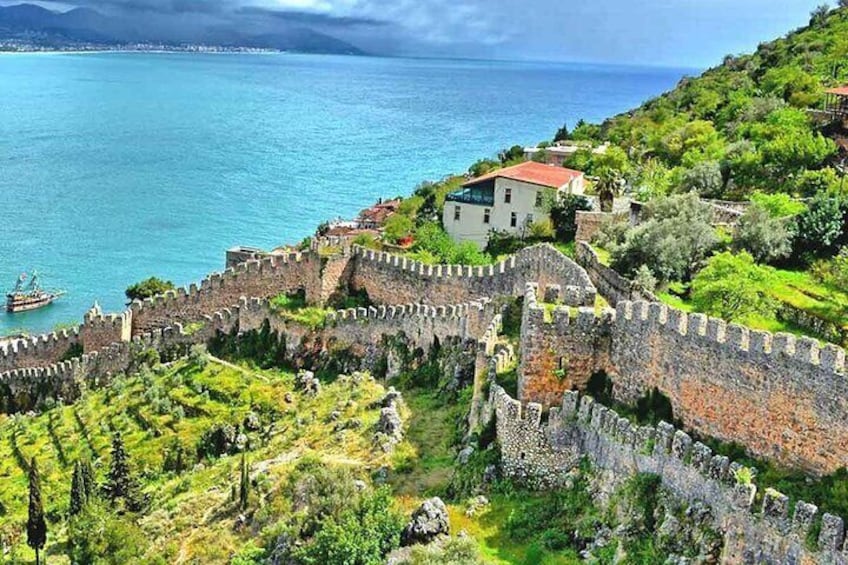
(38,26)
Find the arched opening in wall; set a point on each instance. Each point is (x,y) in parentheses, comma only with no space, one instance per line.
(599,387)
(655,407)
(521,456)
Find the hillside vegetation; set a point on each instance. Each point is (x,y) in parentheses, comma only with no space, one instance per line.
(739,127)
(184,427)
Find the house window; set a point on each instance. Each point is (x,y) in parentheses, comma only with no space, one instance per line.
(457,212)
(513,220)
(487,213)
(529,219)
(507,195)
(539,199)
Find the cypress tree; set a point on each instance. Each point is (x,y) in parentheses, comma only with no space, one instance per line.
(78,491)
(244,485)
(119,483)
(118,479)
(36,526)
(87,475)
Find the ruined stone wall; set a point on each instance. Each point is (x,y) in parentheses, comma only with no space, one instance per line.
(783,397)
(28,388)
(590,223)
(360,331)
(99,331)
(37,351)
(559,350)
(391,279)
(544,453)
(611,285)
(265,278)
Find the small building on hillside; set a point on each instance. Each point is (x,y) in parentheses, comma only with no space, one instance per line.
(375,216)
(557,154)
(508,200)
(836,102)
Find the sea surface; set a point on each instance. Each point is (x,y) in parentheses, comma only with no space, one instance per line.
(118,166)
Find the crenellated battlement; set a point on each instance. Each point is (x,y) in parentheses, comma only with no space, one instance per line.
(37,350)
(789,390)
(261,278)
(640,316)
(391,278)
(544,453)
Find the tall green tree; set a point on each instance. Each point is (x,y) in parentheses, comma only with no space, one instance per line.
(78,494)
(36,526)
(609,185)
(87,475)
(244,483)
(120,484)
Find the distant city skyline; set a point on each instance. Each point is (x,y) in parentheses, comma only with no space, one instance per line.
(677,33)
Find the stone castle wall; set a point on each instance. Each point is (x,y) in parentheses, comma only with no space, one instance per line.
(590,223)
(782,397)
(543,454)
(611,285)
(361,331)
(560,353)
(39,350)
(390,279)
(263,278)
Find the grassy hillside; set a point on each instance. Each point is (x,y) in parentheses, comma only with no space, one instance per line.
(190,515)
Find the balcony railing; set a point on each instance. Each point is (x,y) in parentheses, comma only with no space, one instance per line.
(471,196)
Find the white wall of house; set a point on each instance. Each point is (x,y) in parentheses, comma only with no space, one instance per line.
(470,225)
(466,222)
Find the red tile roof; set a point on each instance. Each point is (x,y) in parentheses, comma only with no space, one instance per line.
(840,90)
(533,173)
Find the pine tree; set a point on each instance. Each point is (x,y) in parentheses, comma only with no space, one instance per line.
(36,526)
(244,483)
(78,491)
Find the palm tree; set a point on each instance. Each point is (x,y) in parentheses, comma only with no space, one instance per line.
(608,186)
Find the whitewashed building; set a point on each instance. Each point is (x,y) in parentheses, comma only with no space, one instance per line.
(507,200)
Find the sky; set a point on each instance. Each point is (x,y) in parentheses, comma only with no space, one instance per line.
(681,33)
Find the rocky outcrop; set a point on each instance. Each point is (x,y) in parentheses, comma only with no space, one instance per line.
(429,521)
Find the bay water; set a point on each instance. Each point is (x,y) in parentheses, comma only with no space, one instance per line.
(118,166)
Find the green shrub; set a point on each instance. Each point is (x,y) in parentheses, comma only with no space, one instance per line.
(778,205)
(821,229)
(96,535)
(148,288)
(564,214)
(454,551)
(673,241)
(361,534)
(766,238)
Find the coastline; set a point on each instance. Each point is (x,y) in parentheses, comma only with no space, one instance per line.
(143,51)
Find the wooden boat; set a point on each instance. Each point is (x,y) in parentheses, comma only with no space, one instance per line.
(29,297)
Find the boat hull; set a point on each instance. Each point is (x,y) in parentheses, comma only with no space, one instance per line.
(16,304)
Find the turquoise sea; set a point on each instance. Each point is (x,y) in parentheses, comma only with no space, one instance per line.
(115,167)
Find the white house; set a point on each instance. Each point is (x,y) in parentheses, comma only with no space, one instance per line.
(507,200)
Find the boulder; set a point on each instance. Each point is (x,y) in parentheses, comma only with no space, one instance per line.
(390,423)
(429,521)
(308,383)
